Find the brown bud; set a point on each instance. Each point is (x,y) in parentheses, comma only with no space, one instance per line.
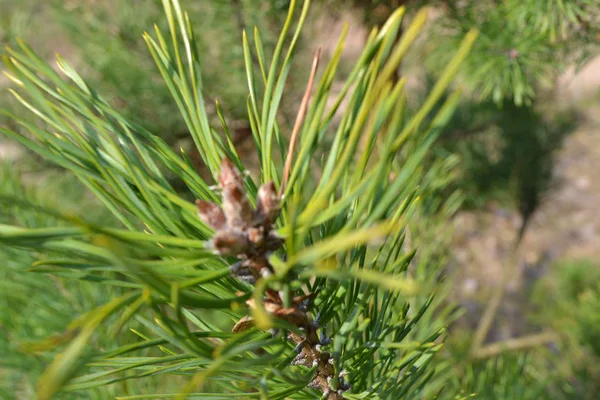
(211,214)
(230,175)
(267,205)
(256,236)
(230,243)
(236,207)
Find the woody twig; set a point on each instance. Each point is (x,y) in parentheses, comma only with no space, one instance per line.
(248,234)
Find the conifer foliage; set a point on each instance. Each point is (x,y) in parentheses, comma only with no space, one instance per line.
(261,289)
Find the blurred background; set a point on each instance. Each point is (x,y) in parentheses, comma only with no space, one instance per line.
(524,150)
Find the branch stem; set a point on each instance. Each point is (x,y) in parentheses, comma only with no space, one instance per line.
(487,320)
(516,344)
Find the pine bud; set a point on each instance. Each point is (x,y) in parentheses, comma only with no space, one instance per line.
(229,175)
(236,207)
(267,204)
(230,243)
(256,236)
(211,214)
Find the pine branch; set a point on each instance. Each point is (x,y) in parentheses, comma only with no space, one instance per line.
(333,280)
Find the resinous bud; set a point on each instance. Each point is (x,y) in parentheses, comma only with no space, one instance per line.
(267,203)
(211,214)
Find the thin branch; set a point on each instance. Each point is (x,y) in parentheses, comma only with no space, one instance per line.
(299,119)
(491,309)
(516,344)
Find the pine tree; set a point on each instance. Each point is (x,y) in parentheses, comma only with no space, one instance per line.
(293,282)
(317,274)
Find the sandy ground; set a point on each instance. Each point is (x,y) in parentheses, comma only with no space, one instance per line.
(565,227)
